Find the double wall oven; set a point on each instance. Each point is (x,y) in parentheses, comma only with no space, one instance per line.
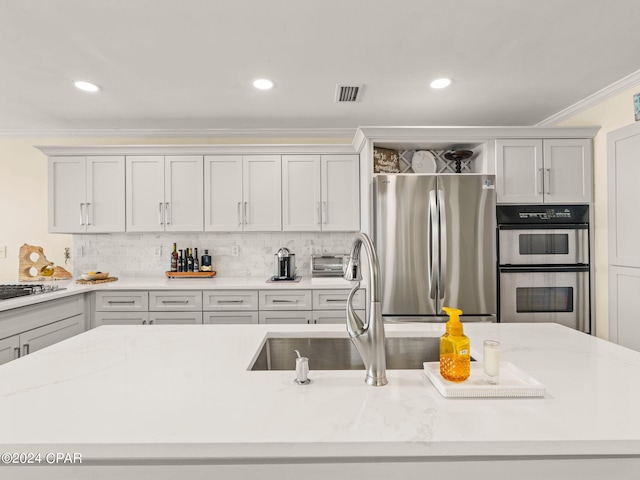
(543,256)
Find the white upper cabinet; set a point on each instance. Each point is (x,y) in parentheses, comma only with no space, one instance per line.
(544,171)
(164,193)
(320,193)
(243,193)
(301,198)
(86,194)
(223,193)
(340,180)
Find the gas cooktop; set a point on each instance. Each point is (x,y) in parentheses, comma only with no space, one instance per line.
(21,290)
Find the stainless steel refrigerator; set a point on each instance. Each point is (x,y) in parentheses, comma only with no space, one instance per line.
(435,240)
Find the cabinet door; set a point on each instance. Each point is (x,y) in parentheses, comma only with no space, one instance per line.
(105,194)
(519,171)
(67,194)
(120,318)
(145,193)
(230,318)
(184,193)
(223,193)
(9,349)
(568,171)
(175,318)
(262,193)
(297,318)
(301,201)
(624,302)
(42,337)
(340,179)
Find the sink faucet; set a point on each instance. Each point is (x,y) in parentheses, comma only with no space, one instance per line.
(367,337)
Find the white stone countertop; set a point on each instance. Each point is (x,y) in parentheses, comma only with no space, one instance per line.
(164,283)
(184,392)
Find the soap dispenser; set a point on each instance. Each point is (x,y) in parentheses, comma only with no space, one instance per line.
(455,349)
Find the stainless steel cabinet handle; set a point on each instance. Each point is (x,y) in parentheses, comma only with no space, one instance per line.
(175,301)
(239,217)
(120,301)
(86,213)
(548,180)
(150,322)
(230,301)
(443,242)
(25,349)
(432,247)
(335,300)
(167,214)
(144,322)
(246,219)
(81,216)
(277,300)
(160,214)
(319,213)
(16,352)
(541,184)
(324,212)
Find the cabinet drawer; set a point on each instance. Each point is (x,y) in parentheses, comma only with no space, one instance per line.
(301,317)
(334,316)
(230,300)
(230,317)
(122,301)
(120,318)
(290,300)
(175,318)
(175,301)
(337,299)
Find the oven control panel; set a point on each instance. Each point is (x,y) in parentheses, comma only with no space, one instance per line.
(510,214)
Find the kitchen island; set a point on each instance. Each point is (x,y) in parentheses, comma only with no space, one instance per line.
(167,401)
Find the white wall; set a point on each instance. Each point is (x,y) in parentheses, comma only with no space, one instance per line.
(23,191)
(611,114)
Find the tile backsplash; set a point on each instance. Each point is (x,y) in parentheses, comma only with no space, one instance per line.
(148,254)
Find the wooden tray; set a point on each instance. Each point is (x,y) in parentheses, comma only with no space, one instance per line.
(91,282)
(190,274)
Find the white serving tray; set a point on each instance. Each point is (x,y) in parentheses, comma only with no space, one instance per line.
(513,383)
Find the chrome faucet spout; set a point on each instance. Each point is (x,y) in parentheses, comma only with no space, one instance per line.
(368,337)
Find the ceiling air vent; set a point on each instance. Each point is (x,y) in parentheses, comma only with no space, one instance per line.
(348,93)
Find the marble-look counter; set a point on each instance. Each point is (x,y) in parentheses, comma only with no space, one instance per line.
(169,396)
(164,283)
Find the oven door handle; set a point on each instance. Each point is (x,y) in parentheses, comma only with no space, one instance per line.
(541,268)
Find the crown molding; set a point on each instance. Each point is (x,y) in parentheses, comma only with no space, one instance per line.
(203,149)
(333,133)
(593,100)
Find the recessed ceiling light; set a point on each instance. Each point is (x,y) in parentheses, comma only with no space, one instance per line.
(263,84)
(86,86)
(441,83)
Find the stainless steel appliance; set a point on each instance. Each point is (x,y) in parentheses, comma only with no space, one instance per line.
(284,265)
(543,253)
(328,265)
(21,290)
(435,239)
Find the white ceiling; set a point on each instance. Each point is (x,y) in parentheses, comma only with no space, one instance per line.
(189,64)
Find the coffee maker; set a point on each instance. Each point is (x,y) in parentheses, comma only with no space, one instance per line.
(285,265)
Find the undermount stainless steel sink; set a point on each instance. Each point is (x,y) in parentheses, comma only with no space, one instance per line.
(339,353)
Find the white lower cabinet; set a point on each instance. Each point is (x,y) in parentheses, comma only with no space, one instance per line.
(231,318)
(175,318)
(334,316)
(39,338)
(120,318)
(285,306)
(287,316)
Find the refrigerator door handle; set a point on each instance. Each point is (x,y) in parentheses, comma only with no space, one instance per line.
(433,247)
(443,242)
